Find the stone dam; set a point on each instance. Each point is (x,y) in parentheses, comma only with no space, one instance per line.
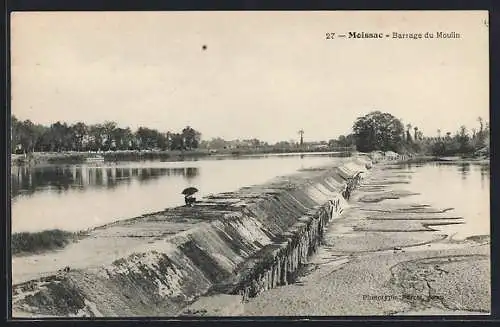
(194,260)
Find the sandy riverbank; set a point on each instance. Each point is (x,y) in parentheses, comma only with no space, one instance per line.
(385,257)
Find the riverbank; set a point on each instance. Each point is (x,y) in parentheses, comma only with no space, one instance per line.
(241,243)
(424,159)
(38,158)
(24,243)
(387,255)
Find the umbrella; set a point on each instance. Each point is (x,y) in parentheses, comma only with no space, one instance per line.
(190,191)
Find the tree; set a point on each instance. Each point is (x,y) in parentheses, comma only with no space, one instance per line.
(191,138)
(177,142)
(108,129)
(162,141)
(408,135)
(416,133)
(121,138)
(378,131)
(480,120)
(463,140)
(58,136)
(27,136)
(96,133)
(217,143)
(301,133)
(148,138)
(80,130)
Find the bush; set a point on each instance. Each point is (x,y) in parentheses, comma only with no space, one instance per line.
(41,241)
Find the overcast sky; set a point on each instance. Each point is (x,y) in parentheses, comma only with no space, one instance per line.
(263,74)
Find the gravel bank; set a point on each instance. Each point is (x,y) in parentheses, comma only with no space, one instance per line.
(383,257)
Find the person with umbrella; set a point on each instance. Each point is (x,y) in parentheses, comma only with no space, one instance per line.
(189,199)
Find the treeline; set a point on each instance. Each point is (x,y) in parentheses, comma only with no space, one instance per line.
(58,137)
(343,141)
(290,145)
(378,131)
(463,143)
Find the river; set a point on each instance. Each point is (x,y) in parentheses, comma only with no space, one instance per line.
(465,187)
(77,197)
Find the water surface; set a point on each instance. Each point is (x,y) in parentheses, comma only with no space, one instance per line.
(462,186)
(76,197)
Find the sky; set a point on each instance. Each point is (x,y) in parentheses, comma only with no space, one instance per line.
(263,74)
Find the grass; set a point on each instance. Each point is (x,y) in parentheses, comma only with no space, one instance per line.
(48,240)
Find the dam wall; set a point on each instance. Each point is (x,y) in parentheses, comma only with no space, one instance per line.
(237,243)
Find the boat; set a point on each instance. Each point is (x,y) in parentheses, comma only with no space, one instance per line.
(448,158)
(96,158)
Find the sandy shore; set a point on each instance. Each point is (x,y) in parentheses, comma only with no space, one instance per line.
(385,256)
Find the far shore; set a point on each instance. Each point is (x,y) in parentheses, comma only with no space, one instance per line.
(75,157)
(424,159)
(70,157)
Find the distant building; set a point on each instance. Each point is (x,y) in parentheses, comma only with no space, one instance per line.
(320,147)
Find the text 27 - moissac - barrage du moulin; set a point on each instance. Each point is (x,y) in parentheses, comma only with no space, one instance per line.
(399,35)
(395,35)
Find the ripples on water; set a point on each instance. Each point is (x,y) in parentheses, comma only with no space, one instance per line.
(462,186)
(26,181)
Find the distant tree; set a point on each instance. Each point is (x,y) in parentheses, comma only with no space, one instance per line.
(121,138)
(255,143)
(301,133)
(191,138)
(408,135)
(149,138)
(27,136)
(343,141)
(80,130)
(59,136)
(177,142)
(96,135)
(480,120)
(463,140)
(14,134)
(378,131)
(108,129)
(217,143)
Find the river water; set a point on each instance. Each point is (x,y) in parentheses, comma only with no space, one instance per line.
(465,187)
(77,197)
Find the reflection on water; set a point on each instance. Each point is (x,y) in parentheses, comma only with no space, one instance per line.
(462,186)
(76,197)
(26,180)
